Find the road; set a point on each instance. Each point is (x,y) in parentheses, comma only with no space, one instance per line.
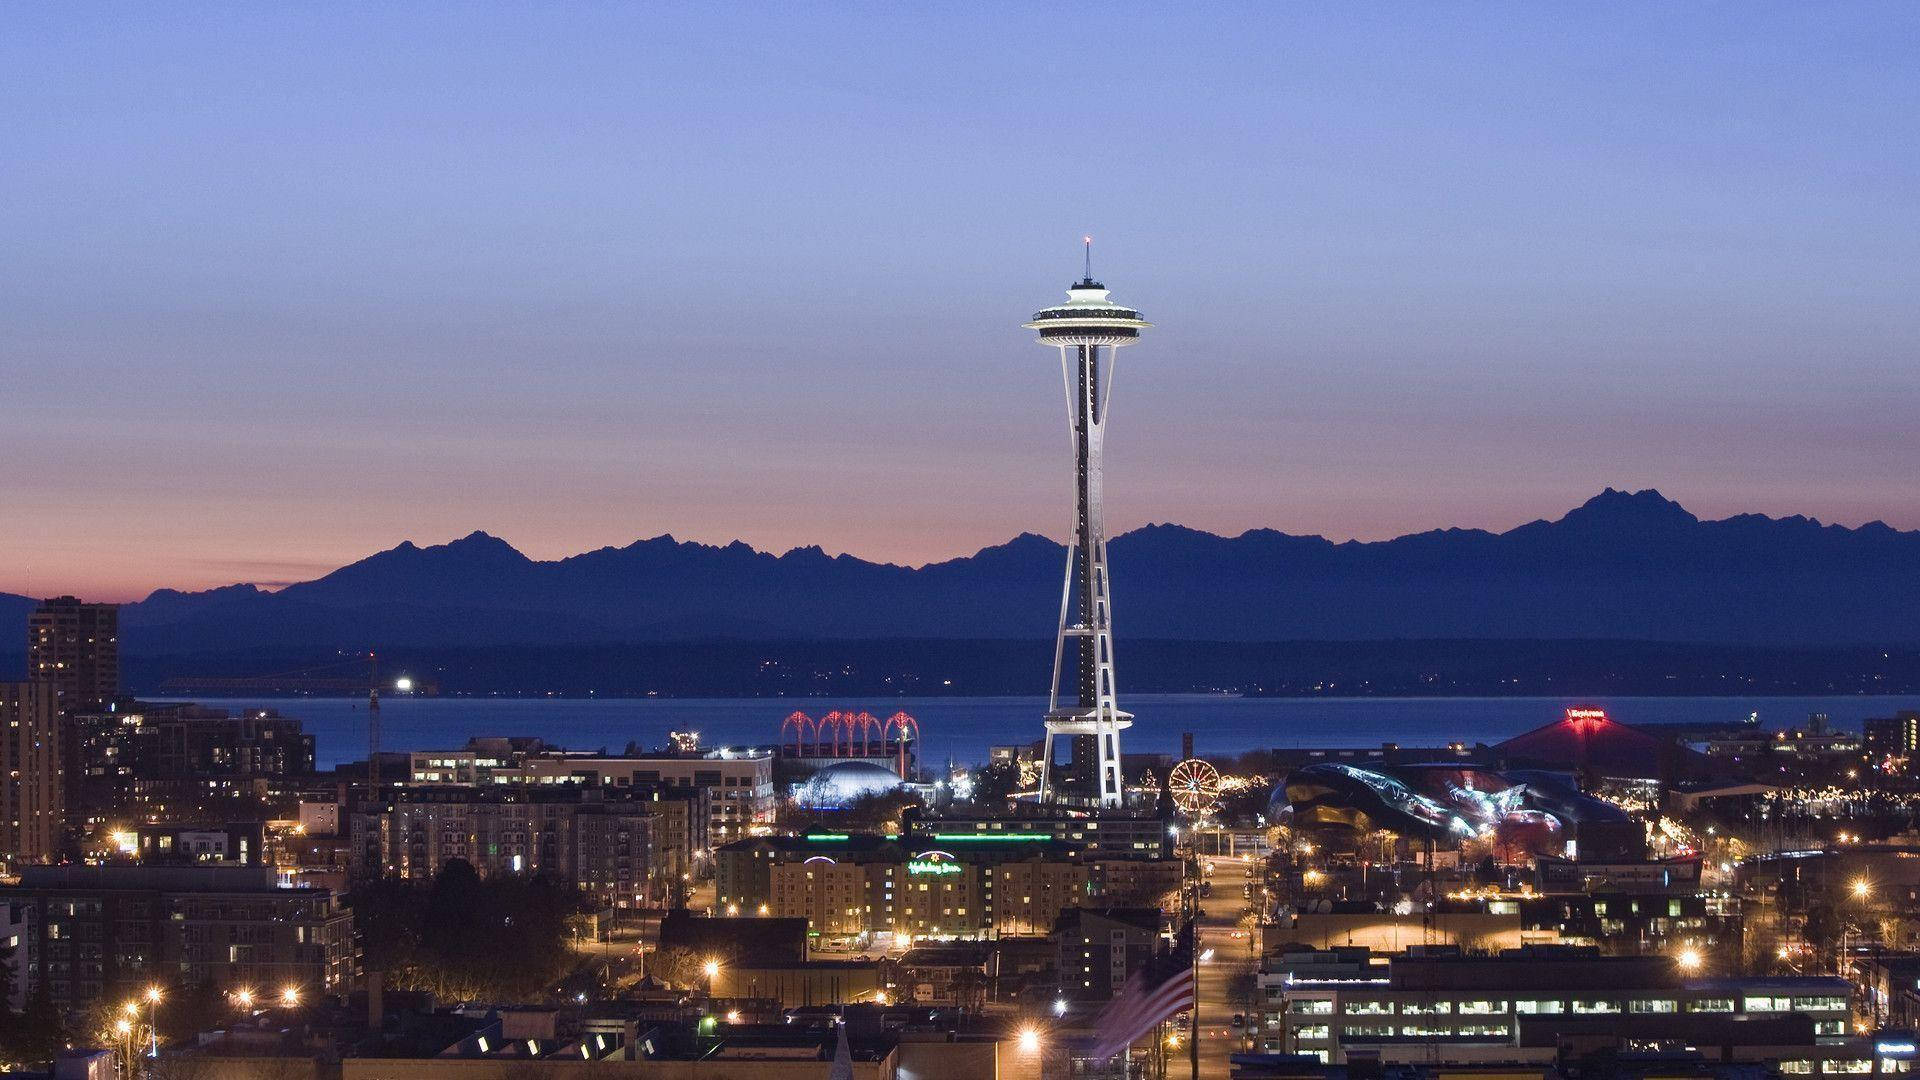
(1226,978)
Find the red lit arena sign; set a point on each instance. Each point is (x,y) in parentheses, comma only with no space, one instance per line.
(1585,716)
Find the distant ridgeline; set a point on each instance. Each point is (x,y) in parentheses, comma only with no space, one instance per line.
(1779,605)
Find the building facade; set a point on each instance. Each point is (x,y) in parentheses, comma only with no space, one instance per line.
(140,761)
(76,647)
(103,931)
(629,847)
(1100,948)
(741,785)
(32,777)
(847,885)
(1112,834)
(1478,1007)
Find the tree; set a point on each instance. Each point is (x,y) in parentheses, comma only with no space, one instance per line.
(676,965)
(996,783)
(38,1033)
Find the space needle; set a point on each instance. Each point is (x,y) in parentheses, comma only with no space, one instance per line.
(1085,329)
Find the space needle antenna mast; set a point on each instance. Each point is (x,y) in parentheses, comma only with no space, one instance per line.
(1087,329)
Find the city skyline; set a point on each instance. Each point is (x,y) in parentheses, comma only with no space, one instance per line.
(292,288)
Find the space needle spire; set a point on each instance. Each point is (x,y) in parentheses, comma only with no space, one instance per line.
(1089,330)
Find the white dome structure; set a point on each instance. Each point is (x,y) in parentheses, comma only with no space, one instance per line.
(844,783)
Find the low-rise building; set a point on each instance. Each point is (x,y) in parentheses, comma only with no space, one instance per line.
(92,931)
(1522,1003)
(628,846)
(1111,834)
(740,784)
(1100,948)
(847,885)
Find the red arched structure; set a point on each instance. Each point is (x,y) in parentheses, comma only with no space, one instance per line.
(836,721)
(869,726)
(902,721)
(802,726)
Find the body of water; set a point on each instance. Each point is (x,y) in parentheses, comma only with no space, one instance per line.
(962,728)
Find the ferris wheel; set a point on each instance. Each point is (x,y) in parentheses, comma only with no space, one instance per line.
(1195,785)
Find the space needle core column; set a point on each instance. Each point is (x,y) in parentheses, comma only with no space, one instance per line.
(1085,329)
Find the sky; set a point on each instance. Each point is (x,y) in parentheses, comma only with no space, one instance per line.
(281,286)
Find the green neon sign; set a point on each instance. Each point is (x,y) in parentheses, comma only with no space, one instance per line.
(827,837)
(967,837)
(928,866)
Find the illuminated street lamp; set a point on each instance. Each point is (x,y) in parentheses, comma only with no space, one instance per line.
(123,1027)
(290,996)
(1861,888)
(1059,1006)
(712,968)
(1689,960)
(243,998)
(1029,1040)
(153,1023)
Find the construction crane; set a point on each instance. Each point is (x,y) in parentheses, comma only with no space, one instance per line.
(311,680)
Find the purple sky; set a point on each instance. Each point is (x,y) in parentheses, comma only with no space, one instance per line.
(283,286)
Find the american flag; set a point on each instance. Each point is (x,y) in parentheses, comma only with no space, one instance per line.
(1158,992)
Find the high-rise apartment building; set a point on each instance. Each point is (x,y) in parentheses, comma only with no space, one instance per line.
(76,647)
(181,762)
(32,789)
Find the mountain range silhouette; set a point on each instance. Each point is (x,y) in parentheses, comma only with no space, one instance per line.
(1622,566)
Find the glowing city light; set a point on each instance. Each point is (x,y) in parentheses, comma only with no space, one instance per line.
(1029,1040)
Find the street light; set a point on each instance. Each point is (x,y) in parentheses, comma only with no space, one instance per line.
(712,968)
(290,996)
(1029,1040)
(244,998)
(153,1022)
(1059,1006)
(1861,888)
(123,1027)
(1689,960)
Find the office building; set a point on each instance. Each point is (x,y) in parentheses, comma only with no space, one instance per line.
(106,931)
(32,779)
(76,647)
